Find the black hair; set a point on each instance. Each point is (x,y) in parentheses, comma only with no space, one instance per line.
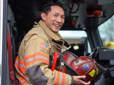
(47,6)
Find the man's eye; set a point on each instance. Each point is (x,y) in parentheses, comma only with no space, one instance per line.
(56,15)
(63,17)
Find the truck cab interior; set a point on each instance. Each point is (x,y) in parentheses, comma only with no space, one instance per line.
(81,15)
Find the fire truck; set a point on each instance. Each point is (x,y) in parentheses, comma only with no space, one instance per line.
(88,24)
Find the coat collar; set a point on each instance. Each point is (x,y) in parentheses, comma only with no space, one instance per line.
(49,32)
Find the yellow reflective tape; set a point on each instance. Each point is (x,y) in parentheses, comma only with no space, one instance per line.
(92,73)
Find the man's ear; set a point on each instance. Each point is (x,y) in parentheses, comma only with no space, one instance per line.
(43,16)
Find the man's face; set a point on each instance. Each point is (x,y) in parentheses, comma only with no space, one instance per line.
(54,19)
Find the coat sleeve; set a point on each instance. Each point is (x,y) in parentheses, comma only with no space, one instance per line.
(36,58)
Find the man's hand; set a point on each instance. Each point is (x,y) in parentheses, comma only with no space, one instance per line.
(79,80)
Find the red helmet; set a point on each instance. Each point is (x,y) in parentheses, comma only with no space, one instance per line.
(82,65)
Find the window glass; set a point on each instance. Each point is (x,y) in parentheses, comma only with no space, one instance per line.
(73,36)
(76,37)
(106,31)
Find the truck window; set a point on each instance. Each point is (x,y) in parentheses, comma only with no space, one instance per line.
(106,31)
(73,36)
(77,37)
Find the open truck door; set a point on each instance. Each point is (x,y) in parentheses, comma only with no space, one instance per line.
(18,16)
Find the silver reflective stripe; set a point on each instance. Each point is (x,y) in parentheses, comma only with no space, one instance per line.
(20,64)
(36,57)
(60,79)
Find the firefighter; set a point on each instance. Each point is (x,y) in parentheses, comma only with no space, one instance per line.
(37,48)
